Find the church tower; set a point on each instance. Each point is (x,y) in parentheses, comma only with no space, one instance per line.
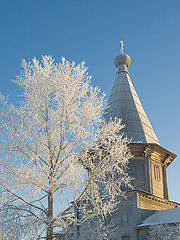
(150,160)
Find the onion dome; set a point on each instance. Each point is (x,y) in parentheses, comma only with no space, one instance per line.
(122,59)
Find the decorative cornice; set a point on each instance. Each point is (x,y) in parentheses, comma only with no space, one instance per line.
(153,151)
(148,151)
(158,199)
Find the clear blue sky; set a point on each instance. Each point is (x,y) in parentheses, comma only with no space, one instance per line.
(90,30)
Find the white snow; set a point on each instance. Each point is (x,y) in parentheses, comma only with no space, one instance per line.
(163,217)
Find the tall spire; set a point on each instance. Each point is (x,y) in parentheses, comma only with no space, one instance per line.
(124,103)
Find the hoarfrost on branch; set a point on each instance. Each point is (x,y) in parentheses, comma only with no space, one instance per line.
(57,154)
(164,232)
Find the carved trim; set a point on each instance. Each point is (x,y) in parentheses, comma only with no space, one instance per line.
(168,159)
(148,151)
(157,199)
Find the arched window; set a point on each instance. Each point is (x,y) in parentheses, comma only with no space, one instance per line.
(157,173)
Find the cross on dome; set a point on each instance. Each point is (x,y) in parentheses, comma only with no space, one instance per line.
(122,47)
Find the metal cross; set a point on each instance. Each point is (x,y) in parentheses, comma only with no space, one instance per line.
(122,47)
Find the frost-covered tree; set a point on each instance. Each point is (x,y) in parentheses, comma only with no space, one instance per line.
(164,232)
(98,229)
(58,153)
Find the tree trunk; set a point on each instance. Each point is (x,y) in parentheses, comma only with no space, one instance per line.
(50,215)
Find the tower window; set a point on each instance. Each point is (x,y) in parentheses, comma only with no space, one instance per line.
(125,238)
(157,173)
